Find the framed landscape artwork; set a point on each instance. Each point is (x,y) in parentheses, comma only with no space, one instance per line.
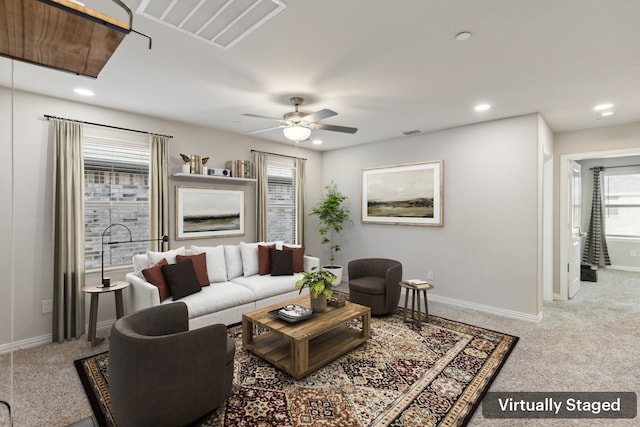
(209,212)
(406,194)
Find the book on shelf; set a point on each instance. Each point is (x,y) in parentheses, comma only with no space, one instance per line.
(241,168)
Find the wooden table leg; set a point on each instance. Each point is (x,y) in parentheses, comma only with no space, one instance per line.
(406,303)
(366,325)
(247,332)
(93,320)
(413,304)
(419,313)
(119,304)
(299,357)
(426,307)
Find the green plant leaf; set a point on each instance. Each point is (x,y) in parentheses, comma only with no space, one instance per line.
(332,215)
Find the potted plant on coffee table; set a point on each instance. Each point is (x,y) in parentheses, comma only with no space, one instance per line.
(319,283)
(332,214)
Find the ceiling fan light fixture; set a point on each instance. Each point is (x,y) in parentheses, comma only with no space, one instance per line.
(297,133)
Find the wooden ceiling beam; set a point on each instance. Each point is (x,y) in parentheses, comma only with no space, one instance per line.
(60,34)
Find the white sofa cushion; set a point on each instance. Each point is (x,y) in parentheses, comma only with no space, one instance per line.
(267,286)
(249,253)
(217,297)
(140,262)
(216,263)
(233,260)
(170,256)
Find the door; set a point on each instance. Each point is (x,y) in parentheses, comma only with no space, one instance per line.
(575,235)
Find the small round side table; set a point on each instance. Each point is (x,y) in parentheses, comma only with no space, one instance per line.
(95,292)
(416,289)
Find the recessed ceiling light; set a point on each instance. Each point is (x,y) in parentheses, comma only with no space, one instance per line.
(317,141)
(602,107)
(462,36)
(235,122)
(83,92)
(607,113)
(482,107)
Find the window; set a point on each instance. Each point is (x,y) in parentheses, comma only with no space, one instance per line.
(281,205)
(116,181)
(622,204)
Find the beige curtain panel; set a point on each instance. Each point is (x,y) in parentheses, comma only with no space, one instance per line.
(262,195)
(68,231)
(159,190)
(300,196)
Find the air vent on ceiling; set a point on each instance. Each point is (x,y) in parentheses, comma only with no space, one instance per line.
(222,23)
(412,132)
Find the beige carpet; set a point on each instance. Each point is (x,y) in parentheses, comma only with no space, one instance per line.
(591,343)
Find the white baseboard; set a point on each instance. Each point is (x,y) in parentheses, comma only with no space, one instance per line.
(487,308)
(622,267)
(42,339)
(26,343)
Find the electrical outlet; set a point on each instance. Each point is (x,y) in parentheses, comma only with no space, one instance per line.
(632,253)
(47,306)
(429,275)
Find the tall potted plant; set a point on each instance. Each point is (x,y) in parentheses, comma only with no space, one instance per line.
(332,215)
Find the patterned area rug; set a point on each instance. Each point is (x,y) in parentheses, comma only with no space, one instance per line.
(403,376)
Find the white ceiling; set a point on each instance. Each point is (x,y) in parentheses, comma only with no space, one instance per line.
(385,66)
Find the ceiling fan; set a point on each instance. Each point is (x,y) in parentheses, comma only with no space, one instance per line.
(297,125)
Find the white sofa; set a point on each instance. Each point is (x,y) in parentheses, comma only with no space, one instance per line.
(235,288)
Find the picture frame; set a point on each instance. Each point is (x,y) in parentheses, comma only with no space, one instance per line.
(209,212)
(403,194)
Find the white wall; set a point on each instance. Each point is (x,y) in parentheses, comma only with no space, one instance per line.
(8,240)
(487,251)
(614,140)
(545,138)
(29,215)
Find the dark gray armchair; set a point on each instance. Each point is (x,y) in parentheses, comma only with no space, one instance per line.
(160,373)
(374,282)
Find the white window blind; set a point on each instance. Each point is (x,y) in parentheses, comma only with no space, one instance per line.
(281,206)
(622,203)
(116,173)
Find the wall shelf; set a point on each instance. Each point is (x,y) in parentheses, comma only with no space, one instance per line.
(219,178)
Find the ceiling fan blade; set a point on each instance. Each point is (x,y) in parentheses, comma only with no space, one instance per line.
(265,130)
(319,115)
(257,116)
(334,128)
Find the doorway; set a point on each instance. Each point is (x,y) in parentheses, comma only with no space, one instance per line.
(566,258)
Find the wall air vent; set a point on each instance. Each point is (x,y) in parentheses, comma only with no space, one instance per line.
(412,132)
(222,23)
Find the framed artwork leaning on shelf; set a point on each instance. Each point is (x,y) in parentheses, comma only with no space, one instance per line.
(404,194)
(209,212)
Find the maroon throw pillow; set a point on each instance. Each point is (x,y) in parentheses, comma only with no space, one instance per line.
(199,265)
(264,259)
(155,276)
(297,258)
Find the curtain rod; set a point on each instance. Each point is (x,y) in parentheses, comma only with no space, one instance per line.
(613,167)
(276,154)
(105,126)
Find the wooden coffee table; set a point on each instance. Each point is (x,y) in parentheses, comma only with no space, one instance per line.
(301,348)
